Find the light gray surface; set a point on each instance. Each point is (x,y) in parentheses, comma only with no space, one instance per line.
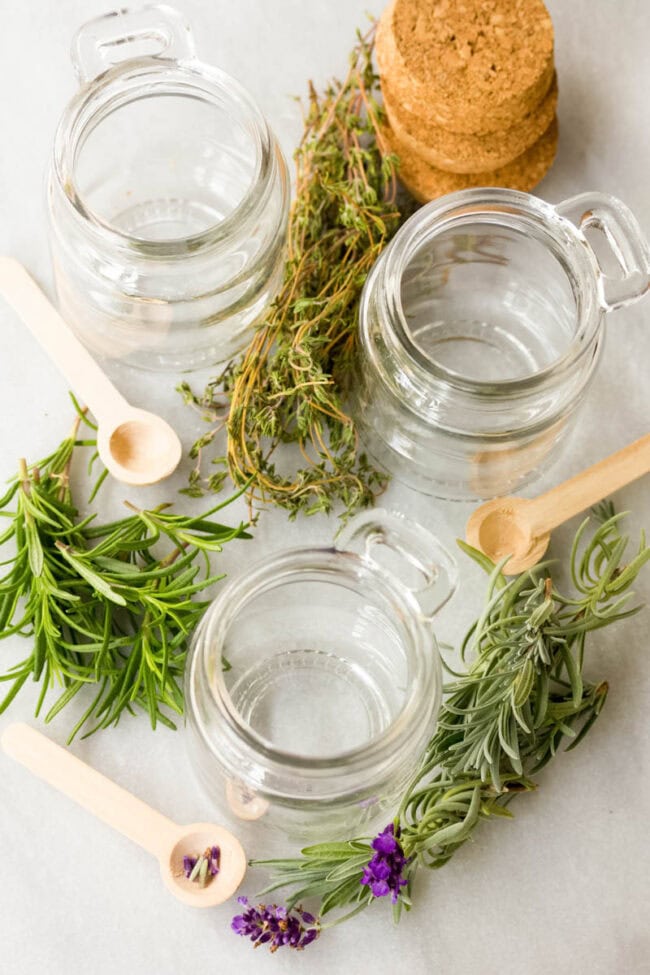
(562,888)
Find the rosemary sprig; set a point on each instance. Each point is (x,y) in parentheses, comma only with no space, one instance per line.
(288,386)
(521,698)
(110,605)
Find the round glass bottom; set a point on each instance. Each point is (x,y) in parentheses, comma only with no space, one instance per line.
(482,350)
(311,702)
(167,219)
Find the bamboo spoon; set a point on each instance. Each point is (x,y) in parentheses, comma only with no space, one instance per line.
(130,816)
(136,446)
(521,527)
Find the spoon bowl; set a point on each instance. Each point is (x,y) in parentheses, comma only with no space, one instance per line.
(139,448)
(194,840)
(501,528)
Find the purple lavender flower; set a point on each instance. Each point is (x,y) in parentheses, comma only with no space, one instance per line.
(275,926)
(385,842)
(214,860)
(201,869)
(383,874)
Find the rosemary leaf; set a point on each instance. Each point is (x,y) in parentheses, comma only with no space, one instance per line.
(108,605)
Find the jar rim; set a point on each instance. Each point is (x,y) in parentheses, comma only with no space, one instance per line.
(425,685)
(142,74)
(565,238)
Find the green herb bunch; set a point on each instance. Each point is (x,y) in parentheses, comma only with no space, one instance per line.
(521,697)
(288,386)
(110,606)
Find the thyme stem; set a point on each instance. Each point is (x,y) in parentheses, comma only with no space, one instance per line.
(289,385)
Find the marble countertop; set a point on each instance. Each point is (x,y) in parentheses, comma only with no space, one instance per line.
(563,887)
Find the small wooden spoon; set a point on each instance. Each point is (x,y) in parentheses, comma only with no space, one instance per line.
(521,527)
(130,816)
(136,446)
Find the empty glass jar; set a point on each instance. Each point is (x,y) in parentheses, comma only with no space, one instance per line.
(481,327)
(314,680)
(168,198)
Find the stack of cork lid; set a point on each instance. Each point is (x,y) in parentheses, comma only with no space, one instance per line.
(470,93)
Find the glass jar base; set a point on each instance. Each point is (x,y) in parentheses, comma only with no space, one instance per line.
(167,219)
(311,702)
(482,350)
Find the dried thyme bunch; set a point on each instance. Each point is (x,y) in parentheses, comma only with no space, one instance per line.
(107,606)
(522,696)
(287,388)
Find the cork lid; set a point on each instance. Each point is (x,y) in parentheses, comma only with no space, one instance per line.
(426,182)
(460,153)
(475,65)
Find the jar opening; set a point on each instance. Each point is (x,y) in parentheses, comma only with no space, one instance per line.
(490,296)
(315,667)
(317,670)
(162,156)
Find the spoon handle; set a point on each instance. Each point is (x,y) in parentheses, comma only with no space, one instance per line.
(101,797)
(86,378)
(590,486)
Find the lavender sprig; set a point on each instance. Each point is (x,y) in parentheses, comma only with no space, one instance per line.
(276,926)
(522,697)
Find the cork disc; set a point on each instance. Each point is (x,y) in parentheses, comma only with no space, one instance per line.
(472,67)
(457,153)
(426,182)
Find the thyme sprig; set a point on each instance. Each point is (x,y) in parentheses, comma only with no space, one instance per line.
(110,606)
(522,697)
(288,386)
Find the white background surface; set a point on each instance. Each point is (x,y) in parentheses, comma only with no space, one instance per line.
(562,888)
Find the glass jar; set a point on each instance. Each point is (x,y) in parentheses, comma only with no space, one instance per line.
(481,326)
(314,680)
(168,198)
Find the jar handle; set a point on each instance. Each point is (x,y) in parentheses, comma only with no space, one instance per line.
(153,31)
(423,565)
(626,240)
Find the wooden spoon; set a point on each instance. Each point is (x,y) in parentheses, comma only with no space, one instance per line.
(521,527)
(136,446)
(130,816)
